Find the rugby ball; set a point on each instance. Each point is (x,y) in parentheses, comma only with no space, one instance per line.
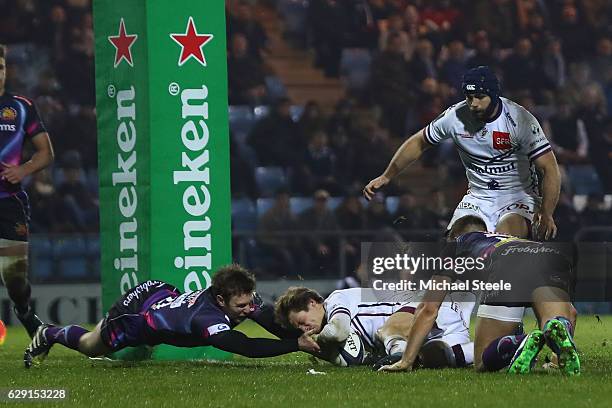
(352,352)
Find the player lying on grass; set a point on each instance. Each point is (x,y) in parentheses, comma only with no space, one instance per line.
(541,277)
(155,312)
(380,325)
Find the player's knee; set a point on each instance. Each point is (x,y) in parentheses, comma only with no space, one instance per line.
(13,269)
(513,224)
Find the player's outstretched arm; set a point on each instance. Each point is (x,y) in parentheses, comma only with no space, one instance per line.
(266,319)
(42,157)
(336,330)
(407,153)
(234,341)
(424,319)
(544,225)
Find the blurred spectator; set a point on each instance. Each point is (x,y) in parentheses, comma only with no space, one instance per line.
(498,18)
(579,78)
(601,155)
(442,17)
(566,218)
(554,67)
(242,175)
(601,62)
(377,216)
(311,121)
(390,86)
(274,137)
(316,169)
(372,150)
(595,213)
(329,23)
(395,25)
(75,195)
(483,52)
(423,64)
(321,249)
(48,212)
(575,34)
(413,213)
(281,248)
(454,65)
(246,76)
(567,134)
(241,21)
(351,217)
(521,69)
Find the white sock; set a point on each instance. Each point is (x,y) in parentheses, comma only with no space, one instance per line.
(395,345)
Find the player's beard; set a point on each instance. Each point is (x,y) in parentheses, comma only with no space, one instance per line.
(478,114)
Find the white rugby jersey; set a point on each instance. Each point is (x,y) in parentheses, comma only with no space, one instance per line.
(367,316)
(498,155)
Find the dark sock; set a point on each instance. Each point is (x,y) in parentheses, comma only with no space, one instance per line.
(68,336)
(19,293)
(499,352)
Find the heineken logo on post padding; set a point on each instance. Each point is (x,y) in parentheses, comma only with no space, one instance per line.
(191,43)
(123,45)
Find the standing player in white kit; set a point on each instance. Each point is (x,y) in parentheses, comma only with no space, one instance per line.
(501,146)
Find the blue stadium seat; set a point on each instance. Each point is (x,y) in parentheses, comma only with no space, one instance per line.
(40,257)
(392,203)
(584,179)
(263,205)
(241,119)
(269,179)
(299,204)
(71,256)
(261,111)
(92,181)
(244,214)
(355,67)
(275,87)
(334,203)
(93,255)
(296,112)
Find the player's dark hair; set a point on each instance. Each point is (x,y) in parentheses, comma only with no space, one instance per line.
(232,280)
(2,51)
(295,299)
(466,224)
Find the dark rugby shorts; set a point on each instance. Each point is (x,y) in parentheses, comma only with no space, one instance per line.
(528,266)
(15,217)
(125,324)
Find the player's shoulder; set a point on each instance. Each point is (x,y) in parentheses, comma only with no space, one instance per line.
(516,111)
(23,99)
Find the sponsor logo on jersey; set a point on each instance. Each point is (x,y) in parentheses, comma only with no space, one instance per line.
(4,126)
(493,185)
(468,206)
(492,169)
(501,140)
(217,328)
(519,206)
(8,114)
(510,119)
(465,135)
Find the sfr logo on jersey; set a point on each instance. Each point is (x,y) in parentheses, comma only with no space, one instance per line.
(501,140)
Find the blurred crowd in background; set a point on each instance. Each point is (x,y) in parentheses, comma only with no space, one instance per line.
(297,171)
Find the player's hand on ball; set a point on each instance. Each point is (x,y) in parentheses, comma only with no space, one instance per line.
(399,366)
(544,226)
(306,343)
(376,184)
(12,173)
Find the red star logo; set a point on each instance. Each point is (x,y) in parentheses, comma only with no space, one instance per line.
(191,43)
(123,45)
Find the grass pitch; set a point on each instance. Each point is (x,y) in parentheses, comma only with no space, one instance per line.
(283,381)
